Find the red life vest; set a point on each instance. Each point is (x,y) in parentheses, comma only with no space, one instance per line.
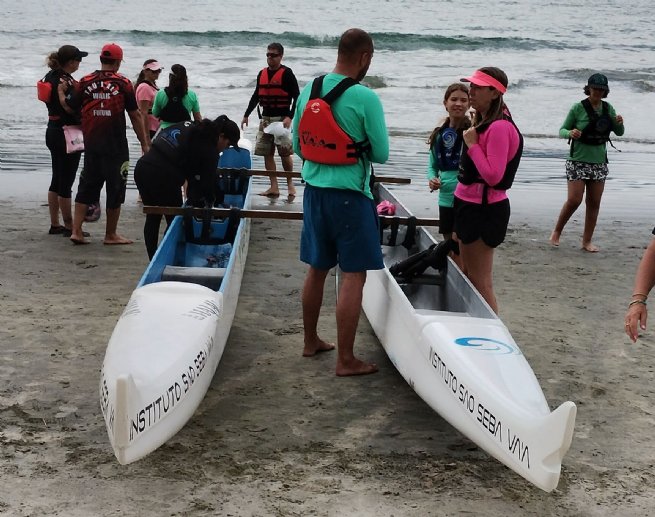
(321,138)
(270,92)
(44,90)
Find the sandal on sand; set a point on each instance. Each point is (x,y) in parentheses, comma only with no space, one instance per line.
(56,230)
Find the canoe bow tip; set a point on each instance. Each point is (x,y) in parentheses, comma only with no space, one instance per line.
(124,385)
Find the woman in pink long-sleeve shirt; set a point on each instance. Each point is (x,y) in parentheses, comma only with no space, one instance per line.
(490,159)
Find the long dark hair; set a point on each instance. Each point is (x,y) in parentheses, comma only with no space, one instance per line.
(498,108)
(141,78)
(178,83)
(466,123)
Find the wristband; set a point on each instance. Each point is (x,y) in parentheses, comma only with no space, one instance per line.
(634,302)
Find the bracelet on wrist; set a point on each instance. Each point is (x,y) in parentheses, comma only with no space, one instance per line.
(640,294)
(635,302)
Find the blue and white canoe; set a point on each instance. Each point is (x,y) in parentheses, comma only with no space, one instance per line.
(165,348)
(460,358)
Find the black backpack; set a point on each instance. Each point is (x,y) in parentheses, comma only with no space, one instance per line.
(174,111)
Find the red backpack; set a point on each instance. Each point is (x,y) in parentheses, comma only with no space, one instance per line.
(43,90)
(321,139)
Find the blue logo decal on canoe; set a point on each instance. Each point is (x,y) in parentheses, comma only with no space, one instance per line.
(487,345)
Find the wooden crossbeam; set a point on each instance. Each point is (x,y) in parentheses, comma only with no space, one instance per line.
(268,214)
(296,174)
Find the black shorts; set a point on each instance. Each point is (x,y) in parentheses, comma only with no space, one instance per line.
(103,169)
(486,222)
(446,219)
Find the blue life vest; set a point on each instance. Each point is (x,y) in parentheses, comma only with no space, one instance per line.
(447,147)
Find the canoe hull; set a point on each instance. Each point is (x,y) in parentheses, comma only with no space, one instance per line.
(167,344)
(463,362)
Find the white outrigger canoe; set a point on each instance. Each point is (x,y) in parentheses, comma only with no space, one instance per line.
(461,360)
(169,340)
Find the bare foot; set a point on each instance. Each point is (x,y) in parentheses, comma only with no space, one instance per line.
(292,192)
(355,367)
(116,239)
(588,246)
(78,238)
(554,238)
(311,350)
(270,193)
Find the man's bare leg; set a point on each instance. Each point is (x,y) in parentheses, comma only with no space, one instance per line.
(274,189)
(77,235)
(312,299)
(287,164)
(349,306)
(111,235)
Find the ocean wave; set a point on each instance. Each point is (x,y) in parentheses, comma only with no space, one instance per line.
(391,41)
(644,86)
(374,82)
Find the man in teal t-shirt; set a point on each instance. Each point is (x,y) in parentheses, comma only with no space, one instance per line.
(340,223)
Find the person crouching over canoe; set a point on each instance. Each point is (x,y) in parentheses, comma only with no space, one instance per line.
(338,130)
(489,161)
(186,151)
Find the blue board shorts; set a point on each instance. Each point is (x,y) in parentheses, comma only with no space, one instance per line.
(340,227)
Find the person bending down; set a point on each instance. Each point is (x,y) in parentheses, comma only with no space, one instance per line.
(186,151)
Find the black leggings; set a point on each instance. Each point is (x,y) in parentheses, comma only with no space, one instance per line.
(64,165)
(158,186)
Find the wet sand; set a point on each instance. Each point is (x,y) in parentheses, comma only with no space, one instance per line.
(279,434)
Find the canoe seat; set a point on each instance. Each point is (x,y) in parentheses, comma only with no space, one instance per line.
(208,276)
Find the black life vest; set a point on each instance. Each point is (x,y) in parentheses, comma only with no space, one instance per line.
(321,138)
(469,174)
(174,111)
(172,141)
(447,147)
(270,92)
(597,132)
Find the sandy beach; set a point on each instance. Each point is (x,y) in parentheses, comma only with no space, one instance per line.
(281,435)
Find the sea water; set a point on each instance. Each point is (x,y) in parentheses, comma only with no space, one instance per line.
(547,48)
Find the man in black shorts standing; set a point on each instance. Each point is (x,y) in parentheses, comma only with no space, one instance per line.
(276,92)
(105,96)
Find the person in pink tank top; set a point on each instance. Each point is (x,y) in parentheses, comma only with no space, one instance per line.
(146,90)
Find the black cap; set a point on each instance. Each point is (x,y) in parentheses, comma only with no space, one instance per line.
(229,129)
(598,81)
(68,53)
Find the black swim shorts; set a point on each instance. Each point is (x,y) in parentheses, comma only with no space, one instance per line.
(446,219)
(486,222)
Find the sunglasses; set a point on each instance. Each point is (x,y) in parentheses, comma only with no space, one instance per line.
(271,54)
